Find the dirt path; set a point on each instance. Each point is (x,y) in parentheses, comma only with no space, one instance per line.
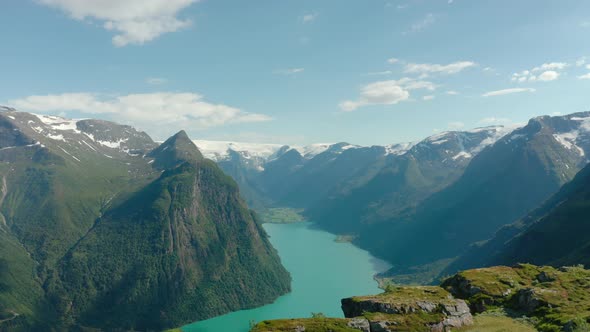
(11,318)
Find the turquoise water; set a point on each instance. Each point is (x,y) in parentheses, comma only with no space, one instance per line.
(323,273)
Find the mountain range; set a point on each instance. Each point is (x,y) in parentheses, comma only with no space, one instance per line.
(439,196)
(101,227)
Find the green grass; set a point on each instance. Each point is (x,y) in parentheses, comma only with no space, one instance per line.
(408,295)
(282,215)
(494,323)
(310,324)
(564,298)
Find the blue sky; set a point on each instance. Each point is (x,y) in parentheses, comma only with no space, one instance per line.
(297,71)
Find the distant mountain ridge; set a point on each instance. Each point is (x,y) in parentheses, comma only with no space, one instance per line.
(273,174)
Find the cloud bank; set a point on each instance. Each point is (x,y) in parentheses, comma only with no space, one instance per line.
(151,111)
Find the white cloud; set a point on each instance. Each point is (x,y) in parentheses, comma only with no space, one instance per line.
(385,72)
(456,125)
(494,120)
(289,71)
(156,81)
(551,66)
(507,92)
(547,76)
(154,111)
(392,60)
(543,73)
(585,77)
(429,68)
(452,93)
(386,93)
(424,23)
(427,98)
(309,17)
(133,21)
(581,61)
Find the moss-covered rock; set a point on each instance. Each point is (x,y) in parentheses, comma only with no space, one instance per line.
(557,299)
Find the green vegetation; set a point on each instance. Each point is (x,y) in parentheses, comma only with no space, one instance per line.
(94,241)
(408,296)
(552,298)
(497,323)
(282,215)
(310,325)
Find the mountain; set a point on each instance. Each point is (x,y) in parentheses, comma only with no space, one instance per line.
(401,179)
(253,165)
(557,233)
(501,184)
(100,227)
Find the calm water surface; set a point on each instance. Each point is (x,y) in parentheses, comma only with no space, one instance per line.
(323,273)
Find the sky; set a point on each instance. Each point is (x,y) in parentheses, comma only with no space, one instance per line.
(297,71)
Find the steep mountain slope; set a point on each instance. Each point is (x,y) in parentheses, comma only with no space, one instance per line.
(92,221)
(406,176)
(500,185)
(56,181)
(557,233)
(145,260)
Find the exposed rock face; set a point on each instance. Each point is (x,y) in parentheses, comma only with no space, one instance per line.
(527,300)
(411,307)
(361,324)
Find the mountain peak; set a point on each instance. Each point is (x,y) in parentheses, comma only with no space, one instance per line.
(176,150)
(181,135)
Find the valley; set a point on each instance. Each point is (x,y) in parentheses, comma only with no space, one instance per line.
(294,166)
(165,238)
(323,272)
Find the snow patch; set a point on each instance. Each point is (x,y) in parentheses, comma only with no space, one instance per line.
(568,141)
(112,145)
(398,149)
(310,151)
(68,153)
(58,123)
(56,137)
(439,142)
(463,154)
(219,150)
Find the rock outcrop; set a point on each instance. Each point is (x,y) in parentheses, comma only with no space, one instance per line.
(424,308)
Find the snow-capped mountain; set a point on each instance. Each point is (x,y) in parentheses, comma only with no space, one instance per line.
(221,150)
(77,139)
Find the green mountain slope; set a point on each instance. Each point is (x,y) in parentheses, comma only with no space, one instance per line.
(558,233)
(98,232)
(394,186)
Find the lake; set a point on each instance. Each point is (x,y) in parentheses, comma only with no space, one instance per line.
(323,271)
